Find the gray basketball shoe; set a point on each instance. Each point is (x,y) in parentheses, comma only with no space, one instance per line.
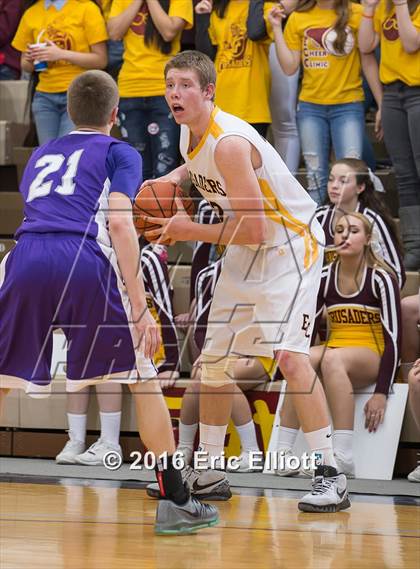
(173,519)
(203,484)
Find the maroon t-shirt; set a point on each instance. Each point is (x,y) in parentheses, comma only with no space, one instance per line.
(10,14)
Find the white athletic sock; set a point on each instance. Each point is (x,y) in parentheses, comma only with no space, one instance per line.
(287,437)
(212,440)
(248,436)
(187,435)
(320,442)
(343,444)
(110,427)
(77,427)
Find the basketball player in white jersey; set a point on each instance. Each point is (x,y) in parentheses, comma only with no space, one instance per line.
(264,301)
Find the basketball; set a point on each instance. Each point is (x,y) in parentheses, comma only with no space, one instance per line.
(157,199)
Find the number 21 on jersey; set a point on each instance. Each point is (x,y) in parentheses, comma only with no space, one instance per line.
(51,163)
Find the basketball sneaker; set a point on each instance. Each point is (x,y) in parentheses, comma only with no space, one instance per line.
(94,455)
(175,519)
(345,466)
(247,463)
(70,451)
(203,484)
(329,492)
(283,469)
(187,454)
(415,475)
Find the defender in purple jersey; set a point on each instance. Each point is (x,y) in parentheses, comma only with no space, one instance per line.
(76,267)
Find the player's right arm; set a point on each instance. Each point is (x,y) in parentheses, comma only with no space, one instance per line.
(236,160)
(118,24)
(177,176)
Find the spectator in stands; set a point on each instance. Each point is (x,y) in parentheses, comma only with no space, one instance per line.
(71,36)
(396,25)
(362,300)
(109,396)
(410,364)
(284,89)
(353,187)
(204,255)
(323,34)
(115,48)
(151,30)
(159,297)
(10,14)
(223,32)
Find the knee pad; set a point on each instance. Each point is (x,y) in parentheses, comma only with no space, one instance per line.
(217,371)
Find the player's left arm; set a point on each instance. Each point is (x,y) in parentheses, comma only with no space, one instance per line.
(246,224)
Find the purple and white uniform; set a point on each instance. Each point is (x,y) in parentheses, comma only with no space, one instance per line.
(63,272)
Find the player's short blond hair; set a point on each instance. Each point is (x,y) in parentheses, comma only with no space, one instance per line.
(196,61)
(91,98)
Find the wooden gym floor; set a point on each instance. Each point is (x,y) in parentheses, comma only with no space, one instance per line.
(75,524)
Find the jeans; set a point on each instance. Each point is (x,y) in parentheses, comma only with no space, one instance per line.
(401,124)
(8,74)
(50,115)
(148,125)
(115,57)
(284,90)
(342,125)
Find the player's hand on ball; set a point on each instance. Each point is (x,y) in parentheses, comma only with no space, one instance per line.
(170,179)
(175,228)
(375,411)
(148,332)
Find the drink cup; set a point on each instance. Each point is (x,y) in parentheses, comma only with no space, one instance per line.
(39,66)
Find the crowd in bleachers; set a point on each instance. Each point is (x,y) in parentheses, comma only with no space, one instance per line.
(311,69)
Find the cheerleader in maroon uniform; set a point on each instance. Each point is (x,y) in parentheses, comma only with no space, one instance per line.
(361,297)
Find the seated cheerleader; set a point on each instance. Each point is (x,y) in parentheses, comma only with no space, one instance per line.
(353,187)
(362,300)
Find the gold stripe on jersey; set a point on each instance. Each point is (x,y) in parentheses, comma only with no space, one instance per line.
(355,325)
(279,214)
(160,355)
(212,128)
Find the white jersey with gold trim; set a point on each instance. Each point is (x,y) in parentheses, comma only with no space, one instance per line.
(288,207)
(264,299)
